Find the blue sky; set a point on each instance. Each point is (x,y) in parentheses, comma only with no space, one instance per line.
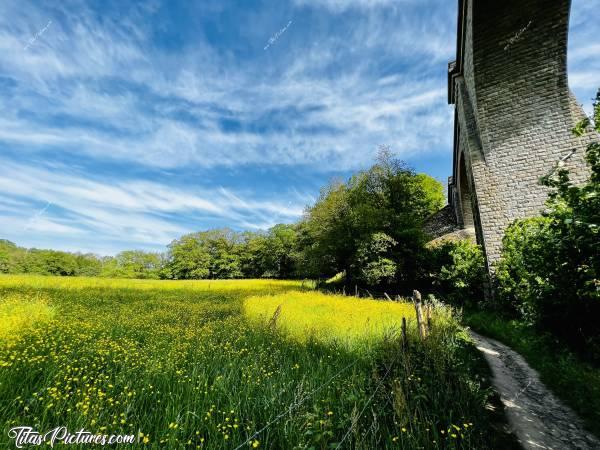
(127,125)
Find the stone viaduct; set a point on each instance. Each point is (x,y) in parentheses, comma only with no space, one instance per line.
(513,113)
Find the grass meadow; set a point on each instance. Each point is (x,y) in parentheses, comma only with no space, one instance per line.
(201,364)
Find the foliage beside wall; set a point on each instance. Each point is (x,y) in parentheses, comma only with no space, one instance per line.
(456,272)
(549,273)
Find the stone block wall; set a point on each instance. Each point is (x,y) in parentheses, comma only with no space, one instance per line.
(514,110)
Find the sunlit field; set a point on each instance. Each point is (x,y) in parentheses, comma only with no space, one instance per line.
(201,364)
(344,321)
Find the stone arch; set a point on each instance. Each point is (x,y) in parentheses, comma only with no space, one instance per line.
(513,113)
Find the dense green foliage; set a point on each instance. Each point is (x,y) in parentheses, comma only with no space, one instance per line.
(127,264)
(133,264)
(219,253)
(456,272)
(370,228)
(374,259)
(208,254)
(549,273)
(222,254)
(15,259)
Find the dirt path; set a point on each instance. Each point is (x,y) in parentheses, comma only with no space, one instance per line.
(537,418)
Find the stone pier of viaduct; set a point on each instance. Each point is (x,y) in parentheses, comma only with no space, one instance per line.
(513,113)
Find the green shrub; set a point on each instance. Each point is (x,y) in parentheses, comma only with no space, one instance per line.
(457,272)
(375,266)
(524,271)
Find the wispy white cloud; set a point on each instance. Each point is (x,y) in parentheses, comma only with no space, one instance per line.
(584,79)
(45,225)
(101,90)
(584,51)
(79,52)
(36,217)
(140,211)
(343,5)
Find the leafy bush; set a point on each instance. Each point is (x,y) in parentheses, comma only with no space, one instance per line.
(523,273)
(373,258)
(550,266)
(456,271)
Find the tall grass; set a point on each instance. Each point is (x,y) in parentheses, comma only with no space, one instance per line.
(346,321)
(19,313)
(180,365)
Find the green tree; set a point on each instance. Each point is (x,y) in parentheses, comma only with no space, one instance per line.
(325,234)
(374,260)
(223,247)
(58,263)
(279,252)
(88,265)
(206,254)
(434,198)
(44,262)
(188,258)
(7,250)
(251,252)
(134,264)
(388,198)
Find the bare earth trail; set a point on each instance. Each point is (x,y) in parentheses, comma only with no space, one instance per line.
(536,417)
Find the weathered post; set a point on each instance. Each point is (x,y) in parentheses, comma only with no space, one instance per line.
(404,337)
(273,321)
(419,311)
(356,290)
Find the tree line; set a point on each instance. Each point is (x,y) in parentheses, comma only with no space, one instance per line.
(212,254)
(368,228)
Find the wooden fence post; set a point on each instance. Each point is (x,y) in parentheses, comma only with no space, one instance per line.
(273,321)
(419,311)
(404,337)
(356,290)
